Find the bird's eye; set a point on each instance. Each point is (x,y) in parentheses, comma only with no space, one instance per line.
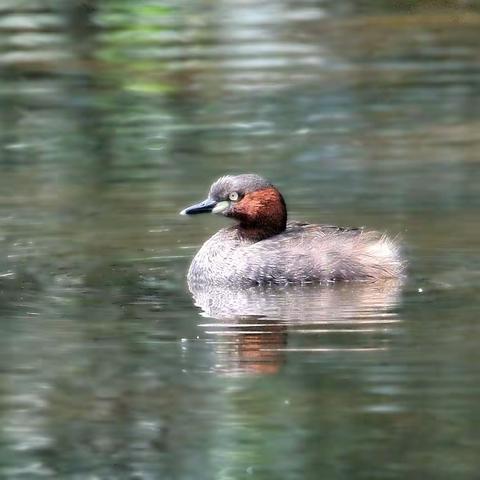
(233,196)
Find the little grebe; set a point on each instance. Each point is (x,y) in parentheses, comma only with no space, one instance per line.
(263,248)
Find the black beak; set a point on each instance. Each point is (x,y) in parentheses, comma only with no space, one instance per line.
(203,207)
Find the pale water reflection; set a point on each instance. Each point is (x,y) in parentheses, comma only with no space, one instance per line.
(254,327)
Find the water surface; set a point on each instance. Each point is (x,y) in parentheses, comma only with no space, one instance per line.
(113,117)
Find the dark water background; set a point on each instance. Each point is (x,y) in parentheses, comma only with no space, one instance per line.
(115,115)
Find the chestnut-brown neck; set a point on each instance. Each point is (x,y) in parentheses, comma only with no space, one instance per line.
(261,214)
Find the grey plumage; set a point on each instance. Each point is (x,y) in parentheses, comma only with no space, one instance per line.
(245,183)
(304,253)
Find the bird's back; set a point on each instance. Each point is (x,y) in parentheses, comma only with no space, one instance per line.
(303,253)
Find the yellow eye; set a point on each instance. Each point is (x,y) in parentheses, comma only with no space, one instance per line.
(233,196)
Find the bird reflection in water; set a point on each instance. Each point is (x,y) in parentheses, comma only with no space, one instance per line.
(253,329)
